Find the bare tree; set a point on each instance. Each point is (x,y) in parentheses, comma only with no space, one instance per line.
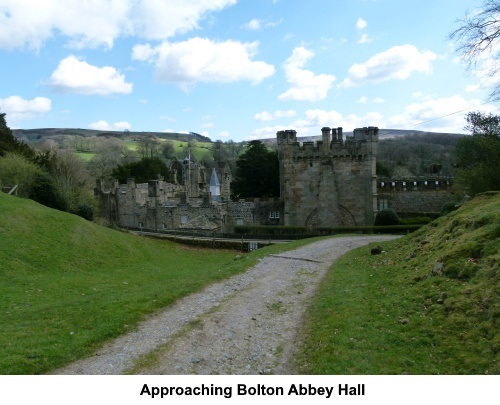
(149,146)
(479,42)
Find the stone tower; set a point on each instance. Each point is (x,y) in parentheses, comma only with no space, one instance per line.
(331,182)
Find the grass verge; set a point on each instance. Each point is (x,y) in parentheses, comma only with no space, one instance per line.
(430,305)
(68,285)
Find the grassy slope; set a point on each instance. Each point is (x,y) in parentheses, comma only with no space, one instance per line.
(401,312)
(67,285)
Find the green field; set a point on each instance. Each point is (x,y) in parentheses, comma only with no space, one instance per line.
(430,305)
(86,156)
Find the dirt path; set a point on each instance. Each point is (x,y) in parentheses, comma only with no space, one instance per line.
(247,324)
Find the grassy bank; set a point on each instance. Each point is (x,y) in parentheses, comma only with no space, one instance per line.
(430,305)
(68,285)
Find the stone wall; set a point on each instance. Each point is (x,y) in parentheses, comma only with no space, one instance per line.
(415,195)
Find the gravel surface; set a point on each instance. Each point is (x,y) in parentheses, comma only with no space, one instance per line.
(246,324)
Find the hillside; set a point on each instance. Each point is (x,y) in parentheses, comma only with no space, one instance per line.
(68,284)
(48,133)
(428,305)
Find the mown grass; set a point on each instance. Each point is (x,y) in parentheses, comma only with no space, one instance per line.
(67,285)
(430,305)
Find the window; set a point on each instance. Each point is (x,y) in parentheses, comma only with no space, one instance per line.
(274,214)
(184,219)
(383,204)
(239,221)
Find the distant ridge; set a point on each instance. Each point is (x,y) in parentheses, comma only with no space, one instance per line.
(383,134)
(45,133)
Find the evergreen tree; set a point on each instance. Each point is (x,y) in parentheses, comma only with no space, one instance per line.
(257,172)
(9,143)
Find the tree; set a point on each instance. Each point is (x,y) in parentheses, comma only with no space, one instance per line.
(9,143)
(478,155)
(257,172)
(70,175)
(479,42)
(168,150)
(149,146)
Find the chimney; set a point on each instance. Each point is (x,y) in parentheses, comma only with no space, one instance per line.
(334,134)
(339,130)
(325,135)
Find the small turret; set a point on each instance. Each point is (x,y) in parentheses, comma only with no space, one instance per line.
(325,135)
(286,137)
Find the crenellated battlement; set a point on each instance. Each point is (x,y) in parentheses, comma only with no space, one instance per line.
(333,144)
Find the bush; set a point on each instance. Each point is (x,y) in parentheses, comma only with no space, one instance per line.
(386,217)
(44,191)
(448,207)
(85,211)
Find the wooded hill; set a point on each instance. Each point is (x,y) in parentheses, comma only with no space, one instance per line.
(48,133)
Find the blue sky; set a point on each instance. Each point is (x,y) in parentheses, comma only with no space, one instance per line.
(235,69)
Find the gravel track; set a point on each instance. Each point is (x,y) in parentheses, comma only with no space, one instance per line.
(247,324)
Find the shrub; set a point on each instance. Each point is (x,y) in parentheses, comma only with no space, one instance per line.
(44,191)
(85,211)
(448,207)
(386,217)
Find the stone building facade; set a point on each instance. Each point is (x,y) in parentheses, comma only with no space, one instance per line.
(327,183)
(164,206)
(415,196)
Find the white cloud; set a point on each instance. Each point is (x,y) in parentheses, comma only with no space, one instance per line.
(96,23)
(472,88)
(361,24)
(443,114)
(253,25)
(267,116)
(397,63)
(104,126)
(207,125)
(224,134)
(160,19)
(203,60)
(256,24)
(74,76)
(365,39)
(305,85)
(364,100)
(18,109)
